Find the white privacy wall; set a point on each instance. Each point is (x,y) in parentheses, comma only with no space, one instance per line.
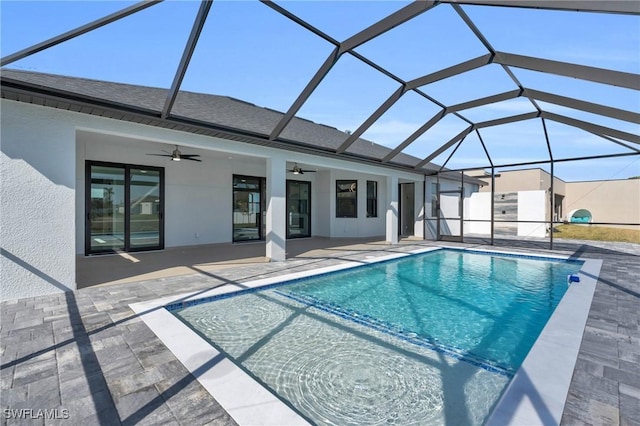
(532,206)
(478,207)
(37,201)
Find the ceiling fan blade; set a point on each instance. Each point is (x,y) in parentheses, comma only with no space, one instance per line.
(191,159)
(160,155)
(189,155)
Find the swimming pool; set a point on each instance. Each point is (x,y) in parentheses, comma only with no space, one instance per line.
(450,332)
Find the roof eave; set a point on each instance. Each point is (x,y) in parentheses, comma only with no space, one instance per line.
(54,98)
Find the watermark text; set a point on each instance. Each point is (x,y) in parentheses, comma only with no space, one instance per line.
(31,414)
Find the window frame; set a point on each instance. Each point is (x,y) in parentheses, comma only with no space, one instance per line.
(372,202)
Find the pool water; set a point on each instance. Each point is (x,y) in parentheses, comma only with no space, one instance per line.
(426,339)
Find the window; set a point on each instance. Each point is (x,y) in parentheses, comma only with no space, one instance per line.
(372,198)
(434,200)
(346,198)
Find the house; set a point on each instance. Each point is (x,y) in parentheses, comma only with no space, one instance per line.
(524,195)
(90,167)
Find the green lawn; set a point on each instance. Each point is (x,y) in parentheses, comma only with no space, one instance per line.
(597,233)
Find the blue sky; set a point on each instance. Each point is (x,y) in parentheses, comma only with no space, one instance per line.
(249,52)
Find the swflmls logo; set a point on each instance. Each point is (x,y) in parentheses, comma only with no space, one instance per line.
(29,413)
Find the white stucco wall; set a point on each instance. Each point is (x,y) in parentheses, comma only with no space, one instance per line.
(37,201)
(43,189)
(362,226)
(532,206)
(321,204)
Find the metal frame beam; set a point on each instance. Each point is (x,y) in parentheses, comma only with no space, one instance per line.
(619,114)
(401,16)
(565,69)
(602,6)
(445,146)
(415,135)
(552,194)
(460,68)
(507,120)
(452,153)
(466,131)
(284,12)
(372,119)
(198,24)
(534,94)
(592,128)
(512,94)
(306,92)
(557,160)
(394,97)
(610,139)
(391,21)
(77,31)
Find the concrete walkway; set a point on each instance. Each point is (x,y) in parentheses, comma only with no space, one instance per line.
(87,359)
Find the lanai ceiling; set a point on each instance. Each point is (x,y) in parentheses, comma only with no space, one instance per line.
(484,82)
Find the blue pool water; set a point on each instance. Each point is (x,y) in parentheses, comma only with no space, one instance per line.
(427,338)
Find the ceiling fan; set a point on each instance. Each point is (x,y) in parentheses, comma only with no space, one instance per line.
(176,155)
(296,170)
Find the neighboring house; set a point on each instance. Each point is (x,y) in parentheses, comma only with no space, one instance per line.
(525,195)
(605,201)
(88,167)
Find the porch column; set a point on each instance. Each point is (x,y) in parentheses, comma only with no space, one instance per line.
(276,209)
(392,210)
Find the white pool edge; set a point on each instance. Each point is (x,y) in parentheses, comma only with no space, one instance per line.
(537,393)
(246,400)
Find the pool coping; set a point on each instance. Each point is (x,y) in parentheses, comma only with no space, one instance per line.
(248,402)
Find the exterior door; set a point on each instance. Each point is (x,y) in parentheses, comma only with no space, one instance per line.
(124,208)
(247,208)
(406,207)
(298,209)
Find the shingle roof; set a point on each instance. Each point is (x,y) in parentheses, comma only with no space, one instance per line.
(216,110)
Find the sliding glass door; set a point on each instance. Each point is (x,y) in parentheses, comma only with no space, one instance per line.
(124,208)
(144,208)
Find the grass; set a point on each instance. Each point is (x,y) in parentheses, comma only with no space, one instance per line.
(597,233)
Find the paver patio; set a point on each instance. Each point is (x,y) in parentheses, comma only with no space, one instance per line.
(86,355)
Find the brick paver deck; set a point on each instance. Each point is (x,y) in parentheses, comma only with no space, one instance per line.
(85,355)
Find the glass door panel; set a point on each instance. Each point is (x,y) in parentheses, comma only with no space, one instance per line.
(124,208)
(247,208)
(298,209)
(144,208)
(106,209)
